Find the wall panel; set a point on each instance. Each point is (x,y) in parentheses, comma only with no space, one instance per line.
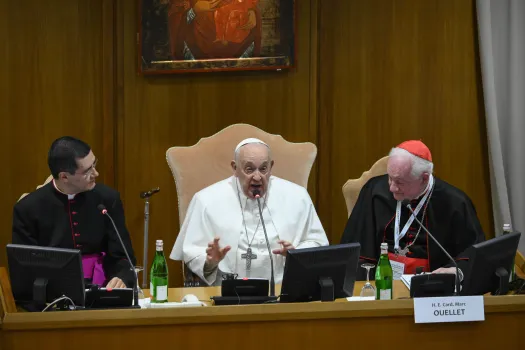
(51,84)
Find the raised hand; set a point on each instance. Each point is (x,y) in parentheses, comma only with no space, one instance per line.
(214,253)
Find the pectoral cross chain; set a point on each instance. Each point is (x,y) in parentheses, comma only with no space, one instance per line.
(249,257)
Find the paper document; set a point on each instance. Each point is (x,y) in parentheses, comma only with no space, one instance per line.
(360,298)
(147,304)
(406,280)
(397,269)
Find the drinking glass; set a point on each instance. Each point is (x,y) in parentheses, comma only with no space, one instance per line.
(368,289)
(140,292)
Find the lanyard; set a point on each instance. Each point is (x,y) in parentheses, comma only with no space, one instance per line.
(397,235)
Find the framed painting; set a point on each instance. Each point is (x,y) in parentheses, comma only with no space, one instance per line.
(182,36)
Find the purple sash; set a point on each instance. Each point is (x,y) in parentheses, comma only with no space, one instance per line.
(92,266)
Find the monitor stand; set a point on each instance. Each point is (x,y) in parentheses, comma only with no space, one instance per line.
(327,289)
(40,297)
(503,276)
(39,291)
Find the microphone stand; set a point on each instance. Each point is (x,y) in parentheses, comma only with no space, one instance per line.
(135,285)
(146,196)
(272,279)
(440,246)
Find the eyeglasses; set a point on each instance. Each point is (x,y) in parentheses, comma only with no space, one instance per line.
(88,172)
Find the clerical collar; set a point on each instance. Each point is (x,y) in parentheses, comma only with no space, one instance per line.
(427,188)
(69,196)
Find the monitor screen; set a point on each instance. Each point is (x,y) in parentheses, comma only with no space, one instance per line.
(40,275)
(306,269)
(490,264)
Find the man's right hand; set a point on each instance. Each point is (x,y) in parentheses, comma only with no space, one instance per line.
(206,6)
(214,253)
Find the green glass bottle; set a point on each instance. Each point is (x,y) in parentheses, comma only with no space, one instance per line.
(159,276)
(384,276)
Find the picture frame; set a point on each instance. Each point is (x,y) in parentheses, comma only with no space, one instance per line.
(184,36)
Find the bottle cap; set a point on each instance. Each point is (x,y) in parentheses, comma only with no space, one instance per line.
(384,246)
(159,243)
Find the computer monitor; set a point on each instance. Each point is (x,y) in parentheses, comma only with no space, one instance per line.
(490,264)
(321,273)
(40,275)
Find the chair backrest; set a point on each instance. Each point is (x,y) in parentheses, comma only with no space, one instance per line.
(49,178)
(207,162)
(352,187)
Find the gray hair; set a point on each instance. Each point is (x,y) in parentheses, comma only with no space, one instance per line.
(419,165)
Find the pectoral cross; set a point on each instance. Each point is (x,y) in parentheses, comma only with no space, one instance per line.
(403,252)
(248,256)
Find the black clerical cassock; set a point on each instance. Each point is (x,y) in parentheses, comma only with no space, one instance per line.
(448,214)
(47,217)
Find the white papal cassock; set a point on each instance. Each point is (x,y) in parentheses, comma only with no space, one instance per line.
(215,211)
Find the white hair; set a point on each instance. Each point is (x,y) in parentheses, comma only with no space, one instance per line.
(238,150)
(419,165)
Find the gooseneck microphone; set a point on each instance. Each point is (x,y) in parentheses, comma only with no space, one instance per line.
(406,203)
(257,196)
(104,211)
(147,194)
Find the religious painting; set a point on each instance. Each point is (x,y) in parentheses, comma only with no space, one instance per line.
(178,36)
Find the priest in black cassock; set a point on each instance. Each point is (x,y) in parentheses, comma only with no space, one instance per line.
(64,214)
(446,211)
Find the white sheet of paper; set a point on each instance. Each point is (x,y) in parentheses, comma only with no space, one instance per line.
(449,309)
(406,280)
(398,269)
(360,298)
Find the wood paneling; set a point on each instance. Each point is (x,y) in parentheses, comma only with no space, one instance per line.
(6,294)
(157,112)
(392,71)
(302,323)
(357,332)
(51,84)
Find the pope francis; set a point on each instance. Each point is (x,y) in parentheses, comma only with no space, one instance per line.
(222,231)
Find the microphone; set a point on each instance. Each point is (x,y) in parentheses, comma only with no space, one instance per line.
(257,196)
(147,194)
(406,203)
(104,211)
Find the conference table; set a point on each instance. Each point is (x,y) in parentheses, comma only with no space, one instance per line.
(316,325)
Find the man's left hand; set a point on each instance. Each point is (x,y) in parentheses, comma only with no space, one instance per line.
(445,270)
(116,283)
(285,247)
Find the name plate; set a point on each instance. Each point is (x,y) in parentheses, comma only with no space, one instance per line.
(449,309)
